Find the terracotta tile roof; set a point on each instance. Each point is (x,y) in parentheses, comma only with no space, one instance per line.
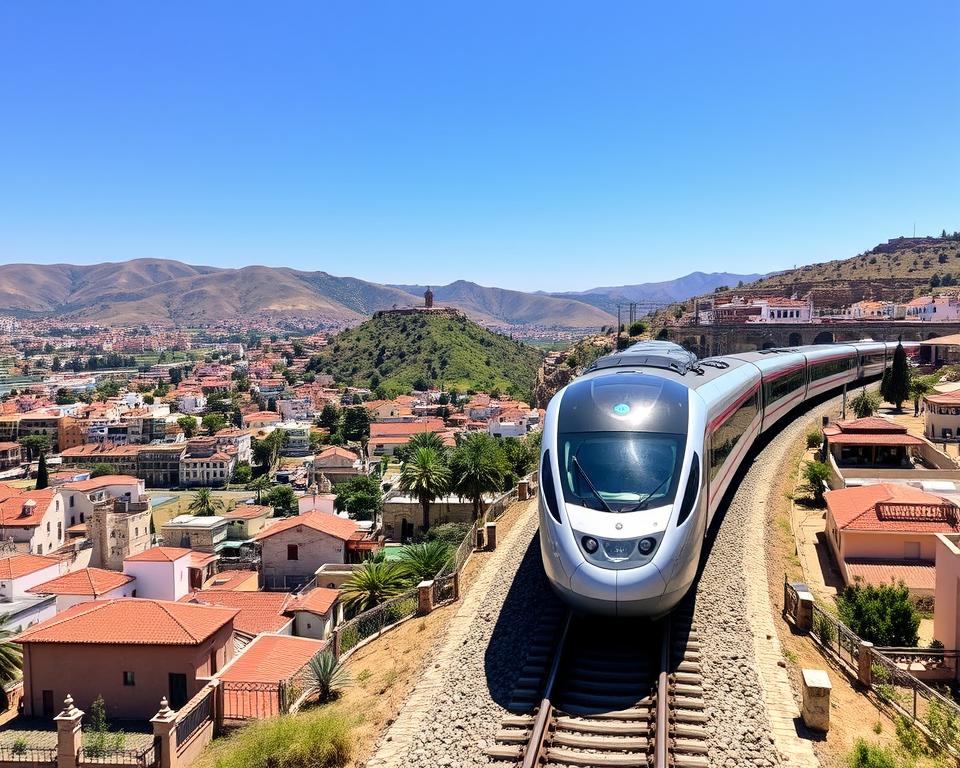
(8,446)
(916,574)
(324,522)
(318,600)
(15,566)
(856,509)
(272,658)
(870,424)
(158,555)
(229,580)
(24,509)
(873,438)
(131,621)
(104,480)
(86,581)
(107,449)
(336,450)
(247,512)
(399,428)
(943,398)
(259,612)
(262,416)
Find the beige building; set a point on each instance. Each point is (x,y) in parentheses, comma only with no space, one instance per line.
(336,464)
(941,416)
(129,651)
(116,511)
(293,548)
(205,533)
(246,520)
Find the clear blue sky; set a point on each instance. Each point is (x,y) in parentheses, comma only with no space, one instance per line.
(531,145)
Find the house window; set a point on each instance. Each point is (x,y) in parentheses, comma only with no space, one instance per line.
(48,526)
(293,552)
(81,518)
(71,501)
(128,678)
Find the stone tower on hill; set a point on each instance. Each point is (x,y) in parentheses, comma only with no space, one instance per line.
(428,298)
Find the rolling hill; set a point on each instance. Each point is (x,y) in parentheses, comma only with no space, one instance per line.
(392,351)
(173,293)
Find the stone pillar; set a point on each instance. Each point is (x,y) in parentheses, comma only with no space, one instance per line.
(456,585)
(69,734)
(523,490)
(804,616)
(491,530)
(816,700)
(165,735)
(864,663)
(335,643)
(425,597)
(479,541)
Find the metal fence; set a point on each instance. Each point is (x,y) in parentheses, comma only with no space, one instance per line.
(191,720)
(836,638)
(369,623)
(144,757)
(29,757)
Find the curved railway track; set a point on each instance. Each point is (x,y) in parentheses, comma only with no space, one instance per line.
(613,694)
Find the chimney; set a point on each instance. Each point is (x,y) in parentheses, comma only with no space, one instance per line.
(28,507)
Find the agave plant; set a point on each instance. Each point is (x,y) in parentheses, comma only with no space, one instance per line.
(420,562)
(372,583)
(326,677)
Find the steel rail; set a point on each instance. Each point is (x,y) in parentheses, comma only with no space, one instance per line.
(532,753)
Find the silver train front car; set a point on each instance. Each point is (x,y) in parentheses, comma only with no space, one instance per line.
(629,553)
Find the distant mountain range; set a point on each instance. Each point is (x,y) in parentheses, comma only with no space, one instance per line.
(173,293)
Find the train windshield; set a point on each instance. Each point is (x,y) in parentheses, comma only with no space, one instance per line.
(620,471)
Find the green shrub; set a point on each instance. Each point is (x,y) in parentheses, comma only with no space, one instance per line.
(823,629)
(885,614)
(865,755)
(865,404)
(19,746)
(452,533)
(816,473)
(814,438)
(313,739)
(909,737)
(942,723)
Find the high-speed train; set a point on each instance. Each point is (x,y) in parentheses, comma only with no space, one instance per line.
(639,450)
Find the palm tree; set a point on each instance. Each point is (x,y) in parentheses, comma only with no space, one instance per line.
(259,484)
(326,676)
(426,476)
(421,562)
(372,583)
(204,503)
(478,466)
(426,440)
(919,388)
(11,655)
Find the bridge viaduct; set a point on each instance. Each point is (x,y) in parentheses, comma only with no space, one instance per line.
(708,340)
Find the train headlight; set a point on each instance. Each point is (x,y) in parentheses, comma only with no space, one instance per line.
(618,550)
(647,545)
(590,544)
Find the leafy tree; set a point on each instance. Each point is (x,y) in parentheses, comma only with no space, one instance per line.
(204,503)
(43,477)
(373,583)
(816,473)
(189,426)
(283,500)
(920,387)
(452,533)
(326,676)
(521,454)
(865,404)
(242,473)
(11,655)
(814,438)
(360,497)
(421,562)
(425,476)
(102,469)
(329,417)
(259,484)
(34,445)
(430,440)
(356,423)
(478,466)
(895,387)
(213,423)
(885,615)
(637,328)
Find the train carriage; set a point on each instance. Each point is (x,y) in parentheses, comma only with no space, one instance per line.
(638,452)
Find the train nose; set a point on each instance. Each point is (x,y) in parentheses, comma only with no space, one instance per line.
(617,592)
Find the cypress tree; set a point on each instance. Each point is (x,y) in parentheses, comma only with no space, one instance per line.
(43,479)
(895,386)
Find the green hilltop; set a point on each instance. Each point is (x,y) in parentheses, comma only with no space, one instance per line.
(394,351)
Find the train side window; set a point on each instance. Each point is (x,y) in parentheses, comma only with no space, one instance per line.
(547,487)
(690,494)
(725,438)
